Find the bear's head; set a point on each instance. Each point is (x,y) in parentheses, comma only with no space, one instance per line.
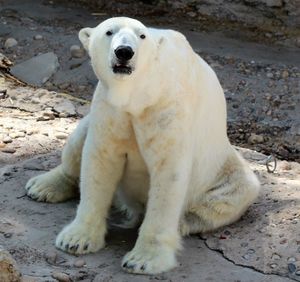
(119,48)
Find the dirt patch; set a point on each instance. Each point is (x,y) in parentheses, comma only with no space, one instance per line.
(261,81)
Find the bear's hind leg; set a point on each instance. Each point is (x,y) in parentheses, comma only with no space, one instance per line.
(224,203)
(61,183)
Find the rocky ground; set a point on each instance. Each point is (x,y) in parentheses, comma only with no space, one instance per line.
(261,84)
(261,81)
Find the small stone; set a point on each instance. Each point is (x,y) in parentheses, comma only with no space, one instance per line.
(77,51)
(244,244)
(268,35)
(285,74)
(60,276)
(51,257)
(246,257)
(251,251)
(275,256)
(10,42)
(49,114)
(254,139)
(291,267)
(38,37)
(297,272)
(273,3)
(15,135)
(273,265)
(291,259)
(7,139)
(79,263)
(8,150)
(43,118)
(31,131)
(192,14)
(61,135)
(270,75)
(66,107)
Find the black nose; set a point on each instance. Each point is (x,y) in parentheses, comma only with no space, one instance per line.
(124,53)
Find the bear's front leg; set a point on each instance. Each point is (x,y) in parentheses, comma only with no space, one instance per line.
(103,159)
(168,159)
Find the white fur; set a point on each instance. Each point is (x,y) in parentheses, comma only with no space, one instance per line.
(159,135)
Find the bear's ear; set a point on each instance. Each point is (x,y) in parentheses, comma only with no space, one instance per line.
(84,37)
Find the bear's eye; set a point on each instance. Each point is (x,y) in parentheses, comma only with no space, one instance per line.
(143,36)
(108,33)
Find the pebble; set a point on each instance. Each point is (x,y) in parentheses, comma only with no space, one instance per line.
(255,138)
(77,51)
(270,75)
(61,135)
(192,14)
(8,150)
(31,131)
(7,139)
(49,114)
(251,251)
(291,259)
(79,263)
(43,118)
(38,37)
(275,256)
(285,74)
(273,265)
(15,135)
(10,42)
(268,35)
(246,257)
(60,276)
(244,244)
(291,267)
(51,257)
(298,273)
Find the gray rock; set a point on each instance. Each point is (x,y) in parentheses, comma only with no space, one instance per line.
(79,263)
(7,139)
(10,42)
(37,70)
(77,51)
(38,37)
(61,135)
(66,108)
(60,276)
(273,3)
(254,139)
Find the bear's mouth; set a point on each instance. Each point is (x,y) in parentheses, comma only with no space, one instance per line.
(122,68)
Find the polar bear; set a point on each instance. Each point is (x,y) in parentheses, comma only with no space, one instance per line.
(154,142)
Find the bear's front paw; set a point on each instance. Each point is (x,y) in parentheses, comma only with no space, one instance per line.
(79,238)
(149,259)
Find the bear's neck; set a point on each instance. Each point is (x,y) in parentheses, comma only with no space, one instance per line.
(133,95)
